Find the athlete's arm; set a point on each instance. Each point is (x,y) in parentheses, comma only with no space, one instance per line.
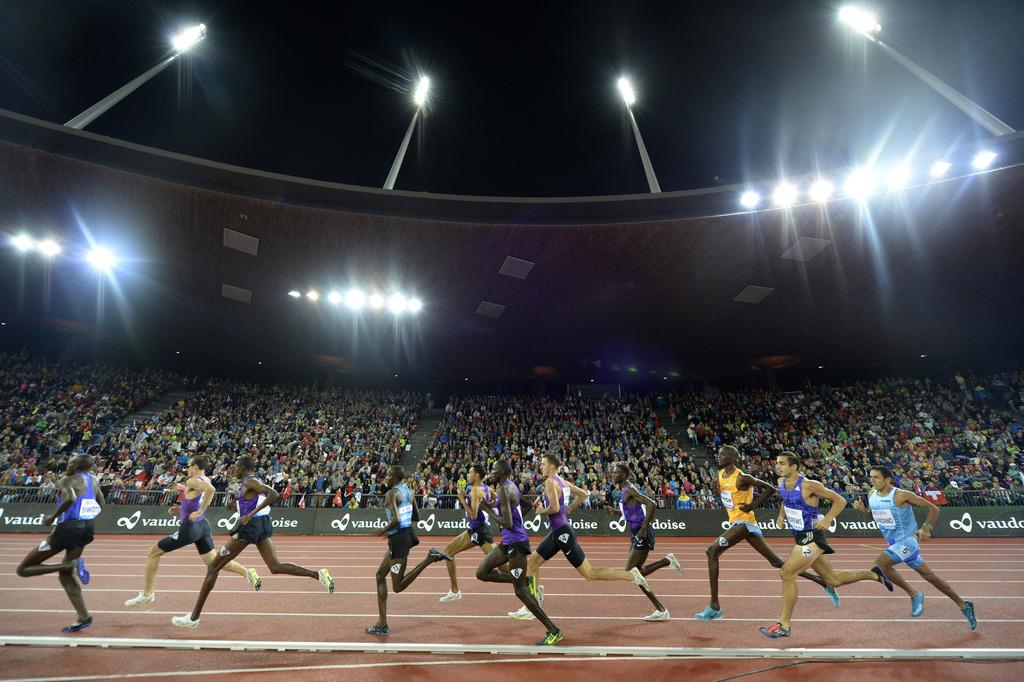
(767,490)
(391,502)
(461,494)
(837,500)
(579,494)
(98,492)
(415,507)
(907,497)
(782,512)
(859,506)
(551,490)
(208,492)
(269,497)
(68,495)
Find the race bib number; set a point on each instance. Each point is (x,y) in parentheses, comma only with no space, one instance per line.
(884,519)
(90,509)
(727,500)
(795,519)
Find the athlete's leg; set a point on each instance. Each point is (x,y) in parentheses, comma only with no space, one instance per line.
(941,585)
(382,586)
(885,562)
(71,586)
(836,578)
(152,565)
(400,580)
(729,538)
(517,572)
(460,543)
(232,566)
(488,570)
(636,560)
(228,552)
(32,565)
(269,554)
(797,562)
(758,543)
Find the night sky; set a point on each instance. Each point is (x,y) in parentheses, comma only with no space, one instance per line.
(524,101)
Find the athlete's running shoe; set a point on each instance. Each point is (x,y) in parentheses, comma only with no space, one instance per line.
(185,621)
(968,611)
(833,595)
(435,553)
(551,639)
(522,614)
(917,605)
(140,599)
(379,630)
(674,563)
(656,616)
(540,595)
(531,584)
(774,631)
(326,580)
(882,577)
(83,575)
(708,614)
(78,625)
(254,579)
(639,579)
(451,596)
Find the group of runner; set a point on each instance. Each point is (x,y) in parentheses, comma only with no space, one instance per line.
(494,497)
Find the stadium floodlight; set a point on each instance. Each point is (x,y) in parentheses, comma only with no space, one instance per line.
(101,258)
(420,98)
(629,97)
(334,298)
(939,168)
(397,303)
(983,160)
(294,294)
(187,39)
(899,177)
(415,305)
(866,24)
(22,242)
(313,295)
(860,184)
(785,194)
(750,199)
(355,299)
(48,247)
(821,191)
(627,92)
(376,301)
(181,43)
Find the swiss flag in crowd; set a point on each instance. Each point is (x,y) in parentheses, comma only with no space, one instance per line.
(302,502)
(937,497)
(337,498)
(287,491)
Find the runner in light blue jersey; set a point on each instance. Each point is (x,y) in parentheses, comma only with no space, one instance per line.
(893,511)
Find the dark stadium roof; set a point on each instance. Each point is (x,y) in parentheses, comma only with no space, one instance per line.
(620,287)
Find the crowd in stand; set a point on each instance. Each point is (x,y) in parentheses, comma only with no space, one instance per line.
(320,447)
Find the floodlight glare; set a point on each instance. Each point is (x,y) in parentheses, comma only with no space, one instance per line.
(22,242)
(312,295)
(101,258)
(396,303)
(48,248)
(859,20)
(899,177)
(187,39)
(860,184)
(376,301)
(785,194)
(750,199)
(355,299)
(415,305)
(983,160)
(626,89)
(294,294)
(939,168)
(422,88)
(334,297)
(821,190)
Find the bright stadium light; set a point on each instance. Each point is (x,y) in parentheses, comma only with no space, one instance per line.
(313,295)
(629,97)
(355,299)
(334,298)
(939,168)
(860,184)
(187,39)
(101,258)
(48,248)
(376,301)
(422,88)
(750,199)
(983,160)
(899,177)
(420,97)
(820,191)
(294,294)
(397,303)
(785,194)
(859,20)
(22,242)
(415,305)
(627,92)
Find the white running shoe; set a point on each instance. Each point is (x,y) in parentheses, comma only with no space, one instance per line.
(639,579)
(140,599)
(657,615)
(254,578)
(451,596)
(674,563)
(185,621)
(522,614)
(540,595)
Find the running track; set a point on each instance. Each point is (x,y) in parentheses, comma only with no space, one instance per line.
(990,572)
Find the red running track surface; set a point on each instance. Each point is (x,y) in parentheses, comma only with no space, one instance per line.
(989,572)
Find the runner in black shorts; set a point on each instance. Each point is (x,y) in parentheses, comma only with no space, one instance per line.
(478,500)
(193,529)
(79,501)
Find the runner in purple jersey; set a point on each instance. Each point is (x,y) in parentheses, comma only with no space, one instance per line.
(193,529)
(479,501)
(513,550)
(79,502)
(555,504)
(254,527)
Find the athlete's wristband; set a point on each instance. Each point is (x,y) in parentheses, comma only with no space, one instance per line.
(927,526)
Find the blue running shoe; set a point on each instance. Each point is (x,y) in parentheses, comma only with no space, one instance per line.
(883,578)
(78,625)
(833,595)
(917,605)
(708,614)
(80,571)
(968,611)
